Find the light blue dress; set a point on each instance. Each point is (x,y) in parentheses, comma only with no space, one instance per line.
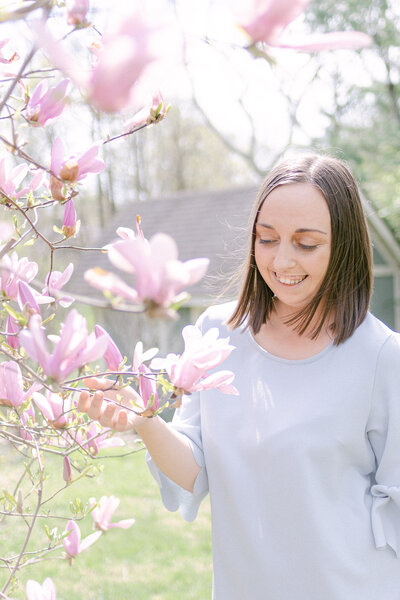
(303,469)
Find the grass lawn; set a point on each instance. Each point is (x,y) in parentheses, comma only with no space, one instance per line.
(160,558)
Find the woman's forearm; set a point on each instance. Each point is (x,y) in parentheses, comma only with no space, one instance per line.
(170,451)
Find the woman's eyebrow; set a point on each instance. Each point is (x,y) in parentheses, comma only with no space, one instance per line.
(264,225)
(306,229)
(301,230)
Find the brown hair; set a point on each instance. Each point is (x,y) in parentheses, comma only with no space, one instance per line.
(346,288)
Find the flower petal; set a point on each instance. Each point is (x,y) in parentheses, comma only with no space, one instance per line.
(268,25)
(89,540)
(351,40)
(124,524)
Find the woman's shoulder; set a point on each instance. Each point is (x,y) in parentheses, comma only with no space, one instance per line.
(374,335)
(217,315)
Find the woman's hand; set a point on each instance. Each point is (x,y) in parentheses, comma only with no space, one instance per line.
(170,450)
(109,414)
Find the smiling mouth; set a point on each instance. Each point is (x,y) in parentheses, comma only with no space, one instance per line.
(290,280)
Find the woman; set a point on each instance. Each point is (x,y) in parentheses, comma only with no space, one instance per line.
(303,467)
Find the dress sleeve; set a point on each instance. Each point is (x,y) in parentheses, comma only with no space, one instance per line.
(384,435)
(187,421)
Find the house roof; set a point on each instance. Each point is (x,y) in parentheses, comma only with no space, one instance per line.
(211,224)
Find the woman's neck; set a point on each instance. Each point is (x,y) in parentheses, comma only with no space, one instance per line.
(281,339)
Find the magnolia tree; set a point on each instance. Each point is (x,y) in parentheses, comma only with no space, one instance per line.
(42,373)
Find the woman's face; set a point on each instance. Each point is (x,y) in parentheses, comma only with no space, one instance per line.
(293,243)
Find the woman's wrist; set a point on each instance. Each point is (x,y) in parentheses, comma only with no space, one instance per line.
(142,421)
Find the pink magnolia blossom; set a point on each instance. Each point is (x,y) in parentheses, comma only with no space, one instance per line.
(70,225)
(146,379)
(350,40)
(74,168)
(148,115)
(140,356)
(6,230)
(148,388)
(98,438)
(270,18)
(77,11)
(104,280)
(159,275)
(122,58)
(54,281)
(27,298)
(12,177)
(103,512)
(12,330)
(46,104)
(2,58)
(127,233)
(74,349)
(112,355)
(14,270)
(12,385)
(26,418)
(55,408)
(35,591)
(189,372)
(73,544)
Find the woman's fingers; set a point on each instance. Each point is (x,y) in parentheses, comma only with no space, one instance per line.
(95,409)
(106,417)
(121,421)
(84,401)
(124,394)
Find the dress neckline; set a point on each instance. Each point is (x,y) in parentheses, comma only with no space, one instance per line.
(290,361)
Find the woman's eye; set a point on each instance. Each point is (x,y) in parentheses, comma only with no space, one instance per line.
(263,241)
(307,247)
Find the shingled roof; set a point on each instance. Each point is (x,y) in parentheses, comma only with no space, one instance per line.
(211,224)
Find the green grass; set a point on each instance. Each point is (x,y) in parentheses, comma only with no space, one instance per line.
(160,558)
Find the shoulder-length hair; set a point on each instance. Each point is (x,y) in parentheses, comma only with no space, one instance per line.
(345,291)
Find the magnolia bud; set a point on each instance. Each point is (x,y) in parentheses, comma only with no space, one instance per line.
(20,502)
(67,471)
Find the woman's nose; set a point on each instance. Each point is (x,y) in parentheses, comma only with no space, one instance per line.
(284,257)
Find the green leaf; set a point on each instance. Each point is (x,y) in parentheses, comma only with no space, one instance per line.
(179,300)
(30,198)
(16,315)
(77,507)
(87,472)
(30,242)
(165,384)
(50,318)
(10,498)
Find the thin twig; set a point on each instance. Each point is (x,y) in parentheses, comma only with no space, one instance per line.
(30,529)
(16,78)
